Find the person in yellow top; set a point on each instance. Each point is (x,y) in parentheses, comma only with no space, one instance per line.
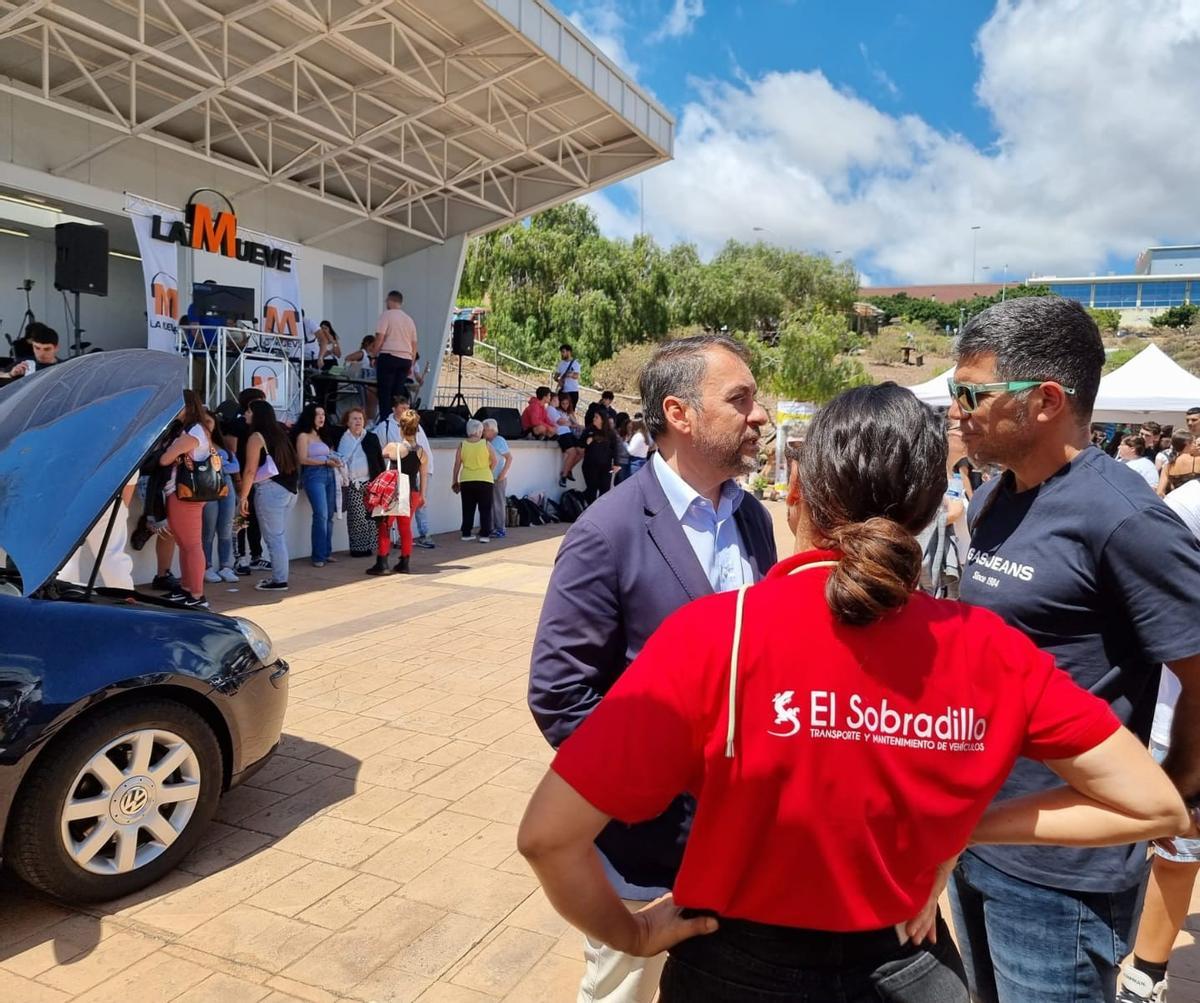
(473,466)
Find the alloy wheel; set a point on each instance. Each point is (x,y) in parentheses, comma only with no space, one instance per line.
(131,801)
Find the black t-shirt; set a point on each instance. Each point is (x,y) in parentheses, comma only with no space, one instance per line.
(240,430)
(1068,564)
(599,452)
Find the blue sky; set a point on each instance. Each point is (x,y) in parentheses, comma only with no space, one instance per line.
(887,130)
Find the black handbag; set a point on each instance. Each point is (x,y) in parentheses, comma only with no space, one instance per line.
(200,482)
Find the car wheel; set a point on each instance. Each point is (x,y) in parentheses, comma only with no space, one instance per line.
(117,802)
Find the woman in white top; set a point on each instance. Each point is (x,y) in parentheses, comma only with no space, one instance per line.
(638,444)
(186,518)
(352,451)
(1132,452)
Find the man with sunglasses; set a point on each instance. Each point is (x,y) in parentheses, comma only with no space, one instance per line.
(1058,550)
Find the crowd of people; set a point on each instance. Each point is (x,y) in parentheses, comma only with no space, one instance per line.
(606,445)
(767,773)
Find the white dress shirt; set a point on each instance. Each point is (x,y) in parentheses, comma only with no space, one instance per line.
(711,533)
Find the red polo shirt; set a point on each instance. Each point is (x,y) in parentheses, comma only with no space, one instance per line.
(864,756)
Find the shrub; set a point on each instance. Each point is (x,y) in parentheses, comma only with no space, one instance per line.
(1176,316)
(1106,320)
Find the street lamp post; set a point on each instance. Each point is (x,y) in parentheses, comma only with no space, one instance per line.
(1004,287)
(974,249)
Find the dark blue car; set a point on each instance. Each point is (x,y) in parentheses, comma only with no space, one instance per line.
(122,717)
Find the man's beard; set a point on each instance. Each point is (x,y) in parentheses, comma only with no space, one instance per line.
(727,457)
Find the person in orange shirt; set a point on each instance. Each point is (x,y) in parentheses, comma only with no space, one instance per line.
(396,345)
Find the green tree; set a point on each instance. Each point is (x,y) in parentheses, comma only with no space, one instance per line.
(811,366)
(1106,320)
(1176,316)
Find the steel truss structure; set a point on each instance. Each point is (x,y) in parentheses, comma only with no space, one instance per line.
(428,117)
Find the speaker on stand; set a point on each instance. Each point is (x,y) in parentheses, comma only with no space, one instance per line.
(462,342)
(80,266)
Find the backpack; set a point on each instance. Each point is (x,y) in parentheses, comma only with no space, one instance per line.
(571,506)
(550,511)
(512,513)
(531,515)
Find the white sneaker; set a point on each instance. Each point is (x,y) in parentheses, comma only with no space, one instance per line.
(211,576)
(228,575)
(1138,987)
(485,539)
(468,539)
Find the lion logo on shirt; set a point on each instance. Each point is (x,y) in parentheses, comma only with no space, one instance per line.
(785,714)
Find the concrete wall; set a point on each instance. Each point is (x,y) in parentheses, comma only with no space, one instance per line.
(535,468)
(429,281)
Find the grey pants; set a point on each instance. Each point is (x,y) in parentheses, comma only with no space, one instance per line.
(500,503)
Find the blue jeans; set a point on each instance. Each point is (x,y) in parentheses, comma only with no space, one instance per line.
(320,485)
(1023,942)
(422,520)
(218,522)
(273,502)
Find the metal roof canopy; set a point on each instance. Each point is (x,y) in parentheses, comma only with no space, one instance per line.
(431,118)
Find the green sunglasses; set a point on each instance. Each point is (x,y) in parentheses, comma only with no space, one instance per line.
(967,394)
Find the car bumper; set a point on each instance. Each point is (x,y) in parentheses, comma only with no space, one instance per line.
(256,718)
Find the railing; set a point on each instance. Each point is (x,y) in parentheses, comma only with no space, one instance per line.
(544,376)
(478,397)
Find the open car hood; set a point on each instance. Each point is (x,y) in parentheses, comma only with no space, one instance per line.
(71,436)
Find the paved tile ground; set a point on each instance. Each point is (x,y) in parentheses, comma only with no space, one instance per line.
(373,859)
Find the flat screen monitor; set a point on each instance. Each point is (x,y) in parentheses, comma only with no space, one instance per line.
(229,304)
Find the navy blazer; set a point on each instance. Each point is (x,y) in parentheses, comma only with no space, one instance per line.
(622,568)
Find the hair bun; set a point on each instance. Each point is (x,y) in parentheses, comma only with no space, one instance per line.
(880,568)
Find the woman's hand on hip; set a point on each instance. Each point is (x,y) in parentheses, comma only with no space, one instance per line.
(661,925)
(924,924)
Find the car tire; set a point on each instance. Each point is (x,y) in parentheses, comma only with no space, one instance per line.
(64,809)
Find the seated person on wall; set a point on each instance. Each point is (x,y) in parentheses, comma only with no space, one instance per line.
(534,419)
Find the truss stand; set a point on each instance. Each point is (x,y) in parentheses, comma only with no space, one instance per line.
(458,398)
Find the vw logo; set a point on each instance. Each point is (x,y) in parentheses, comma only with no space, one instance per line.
(133,800)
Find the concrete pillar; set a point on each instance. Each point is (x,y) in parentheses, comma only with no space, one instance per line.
(429,281)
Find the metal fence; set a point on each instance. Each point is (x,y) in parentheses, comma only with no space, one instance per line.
(478,397)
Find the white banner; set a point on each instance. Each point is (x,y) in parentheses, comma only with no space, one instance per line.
(160,270)
(281,295)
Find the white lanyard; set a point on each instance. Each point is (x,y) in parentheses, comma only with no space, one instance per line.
(737,644)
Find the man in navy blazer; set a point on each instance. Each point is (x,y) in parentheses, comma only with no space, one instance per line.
(679,529)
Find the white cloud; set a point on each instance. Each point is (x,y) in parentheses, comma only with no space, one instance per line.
(604,25)
(680,20)
(878,72)
(1091,104)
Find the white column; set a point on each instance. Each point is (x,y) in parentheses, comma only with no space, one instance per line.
(429,281)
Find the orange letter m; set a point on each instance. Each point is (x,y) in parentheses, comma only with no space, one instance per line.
(218,236)
(279,321)
(166,301)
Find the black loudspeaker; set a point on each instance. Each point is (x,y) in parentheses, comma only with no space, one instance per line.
(450,425)
(461,410)
(429,422)
(81,258)
(507,418)
(462,341)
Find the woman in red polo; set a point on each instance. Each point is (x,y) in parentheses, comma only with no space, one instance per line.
(844,736)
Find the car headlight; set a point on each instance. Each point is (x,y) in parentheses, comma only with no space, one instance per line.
(258,639)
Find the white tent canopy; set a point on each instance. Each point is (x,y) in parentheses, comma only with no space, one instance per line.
(934,392)
(1150,386)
